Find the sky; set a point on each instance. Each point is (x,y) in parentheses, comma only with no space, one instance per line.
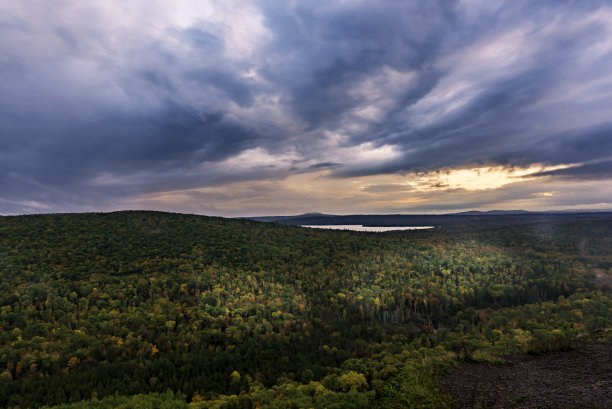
(245,108)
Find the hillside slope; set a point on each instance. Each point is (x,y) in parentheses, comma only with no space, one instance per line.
(238,313)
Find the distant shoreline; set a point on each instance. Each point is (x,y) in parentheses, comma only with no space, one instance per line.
(360,227)
(398,220)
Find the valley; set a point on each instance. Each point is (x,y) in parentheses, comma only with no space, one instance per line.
(146,309)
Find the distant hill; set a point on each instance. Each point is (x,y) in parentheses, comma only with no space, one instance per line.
(493,217)
(280,218)
(492,212)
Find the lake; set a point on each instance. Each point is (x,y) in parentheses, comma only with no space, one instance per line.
(358,227)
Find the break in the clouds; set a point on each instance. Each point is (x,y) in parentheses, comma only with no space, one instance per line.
(268,107)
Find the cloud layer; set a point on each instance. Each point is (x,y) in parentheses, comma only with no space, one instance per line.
(279,107)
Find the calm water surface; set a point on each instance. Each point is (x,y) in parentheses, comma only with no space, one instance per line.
(358,227)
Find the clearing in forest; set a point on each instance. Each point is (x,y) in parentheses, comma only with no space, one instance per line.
(576,379)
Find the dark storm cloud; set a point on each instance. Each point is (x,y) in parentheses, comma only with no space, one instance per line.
(99,103)
(324,165)
(591,171)
(505,122)
(321,51)
(166,138)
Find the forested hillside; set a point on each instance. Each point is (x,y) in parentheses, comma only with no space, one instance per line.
(147,309)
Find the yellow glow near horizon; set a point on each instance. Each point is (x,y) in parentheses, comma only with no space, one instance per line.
(483,178)
(303,192)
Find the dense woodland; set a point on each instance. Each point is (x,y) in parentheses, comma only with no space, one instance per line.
(157,310)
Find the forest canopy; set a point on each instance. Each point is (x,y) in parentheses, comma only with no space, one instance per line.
(148,309)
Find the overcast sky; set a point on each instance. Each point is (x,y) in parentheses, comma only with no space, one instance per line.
(283,107)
